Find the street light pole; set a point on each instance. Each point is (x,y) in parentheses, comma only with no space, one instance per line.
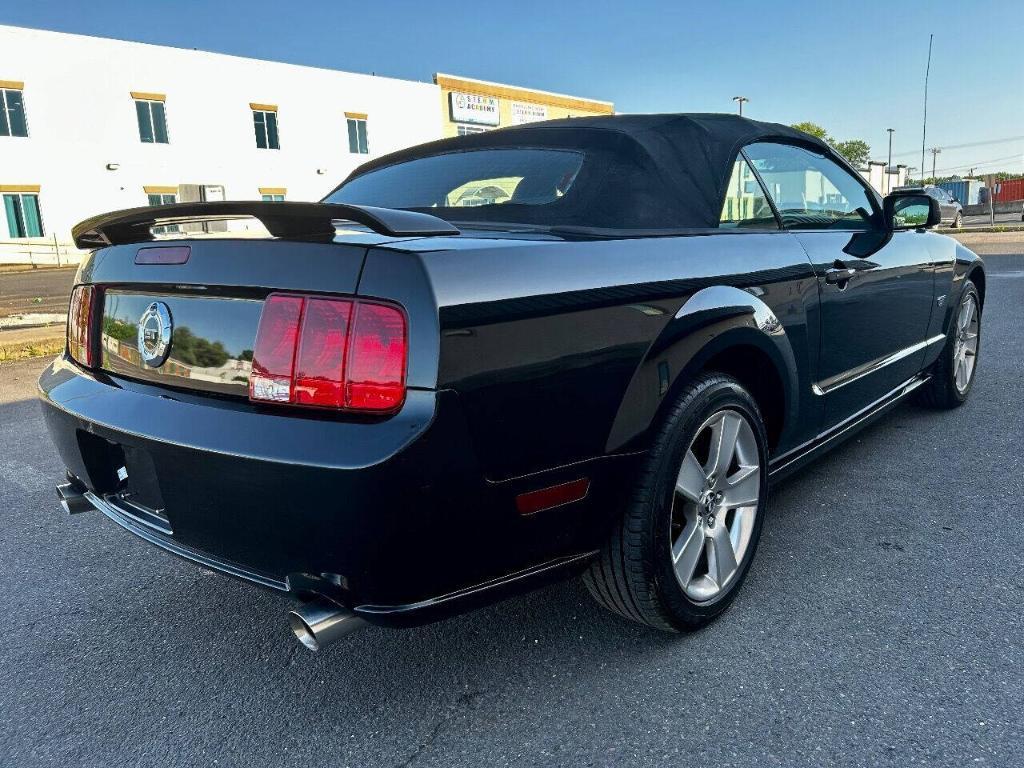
(739,100)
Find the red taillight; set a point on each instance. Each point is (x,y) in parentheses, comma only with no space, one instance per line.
(376,365)
(319,372)
(330,353)
(273,361)
(80,324)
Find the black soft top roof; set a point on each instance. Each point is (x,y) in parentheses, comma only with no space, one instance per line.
(640,172)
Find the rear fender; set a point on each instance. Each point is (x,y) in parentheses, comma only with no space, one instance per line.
(711,322)
(956,266)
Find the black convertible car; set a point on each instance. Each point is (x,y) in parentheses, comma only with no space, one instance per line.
(576,347)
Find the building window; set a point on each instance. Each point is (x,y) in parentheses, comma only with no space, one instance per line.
(467,130)
(12,110)
(152,117)
(23,218)
(264,121)
(273,194)
(163,196)
(357,141)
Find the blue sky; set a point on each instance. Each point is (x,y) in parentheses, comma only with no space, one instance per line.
(856,68)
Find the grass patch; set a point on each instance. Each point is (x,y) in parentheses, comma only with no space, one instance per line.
(23,351)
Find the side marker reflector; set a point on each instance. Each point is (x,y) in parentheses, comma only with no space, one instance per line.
(548,498)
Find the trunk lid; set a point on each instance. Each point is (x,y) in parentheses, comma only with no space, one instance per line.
(207,309)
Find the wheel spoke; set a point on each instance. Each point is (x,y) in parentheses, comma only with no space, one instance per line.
(723,444)
(722,560)
(691,479)
(966,310)
(961,373)
(743,488)
(686,552)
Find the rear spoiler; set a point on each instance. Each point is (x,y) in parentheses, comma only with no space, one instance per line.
(297,221)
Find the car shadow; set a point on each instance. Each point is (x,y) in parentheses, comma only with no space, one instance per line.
(187,627)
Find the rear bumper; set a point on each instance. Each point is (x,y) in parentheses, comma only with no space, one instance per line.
(389,517)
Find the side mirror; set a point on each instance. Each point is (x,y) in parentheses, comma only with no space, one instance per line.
(910,210)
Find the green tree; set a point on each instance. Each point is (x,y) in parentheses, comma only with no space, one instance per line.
(856,152)
(814,129)
(194,350)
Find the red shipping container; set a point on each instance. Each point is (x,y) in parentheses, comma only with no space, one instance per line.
(1009,191)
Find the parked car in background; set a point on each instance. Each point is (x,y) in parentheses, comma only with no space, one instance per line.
(951,210)
(575,347)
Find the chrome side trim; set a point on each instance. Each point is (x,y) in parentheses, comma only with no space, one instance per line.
(143,531)
(848,377)
(828,439)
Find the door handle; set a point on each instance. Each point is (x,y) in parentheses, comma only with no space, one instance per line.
(838,276)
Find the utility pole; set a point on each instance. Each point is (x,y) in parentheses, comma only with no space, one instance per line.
(739,100)
(924,123)
(888,166)
(935,152)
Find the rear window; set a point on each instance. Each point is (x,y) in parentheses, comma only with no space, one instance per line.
(478,178)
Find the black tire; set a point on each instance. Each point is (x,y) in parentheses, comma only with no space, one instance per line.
(941,391)
(633,576)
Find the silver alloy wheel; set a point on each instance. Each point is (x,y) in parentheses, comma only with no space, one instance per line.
(716,500)
(965,347)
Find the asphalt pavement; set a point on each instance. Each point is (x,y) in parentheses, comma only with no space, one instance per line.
(1001,220)
(34,291)
(882,624)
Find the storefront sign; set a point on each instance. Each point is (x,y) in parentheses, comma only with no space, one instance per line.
(472,108)
(523,112)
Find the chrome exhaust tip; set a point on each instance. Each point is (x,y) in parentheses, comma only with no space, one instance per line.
(321,622)
(72,500)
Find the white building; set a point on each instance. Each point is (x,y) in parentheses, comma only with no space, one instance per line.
(110,124)
(884,178)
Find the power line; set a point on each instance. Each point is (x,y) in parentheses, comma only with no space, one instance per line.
(965,146)
(977,165)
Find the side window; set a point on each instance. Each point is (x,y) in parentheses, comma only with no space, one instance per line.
(264,122)
(12,111)
(357,140)
(745,203)
(23,217)
(811,191)
(152,118)
(273,194)
(160,196)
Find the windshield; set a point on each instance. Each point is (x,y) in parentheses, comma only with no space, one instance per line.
(479,178)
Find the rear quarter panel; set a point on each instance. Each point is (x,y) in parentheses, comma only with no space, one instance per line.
(954,264)
(555,347)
